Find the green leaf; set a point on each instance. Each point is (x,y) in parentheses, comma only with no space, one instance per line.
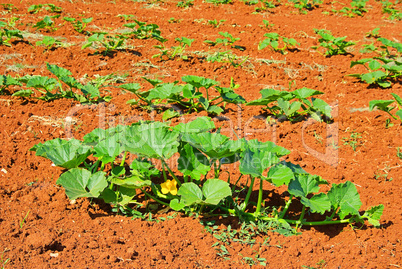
(373,215)
(322,107)
(303,185)
(58,71)
(373,77)
(345,197)
(374,65)
(81,183)
(199,125)
(215,190)
(145,167)
(42,82)
(381,105)
(192,162)
(254,161)
(170,113)
(108,149)
(135,181)
(126,195)
(23,93)
(397,98)
(200,82)
(131,87)
(304,93)
(399,114)
(214,145)
(64,153)
(176,205)
(318,203)
(215,110)
(90,90)
(280,174)
(153,140)
(190,194)
(164,91)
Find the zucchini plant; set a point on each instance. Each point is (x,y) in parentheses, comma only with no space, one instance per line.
(187,96)
(294,105)
(197,186)
(388,106)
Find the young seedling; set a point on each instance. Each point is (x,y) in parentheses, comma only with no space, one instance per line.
(49,43)
(33,9)
(7,33)
(142,30)
(109,42)
(333,45)
(170,54)
(265,5)
(386,106)
(306,5)
(357,9)
(22,222)
(219,2)
(78,25)
(215,23)
(227,41)
(185,3)
(47,23)
(273,40)
(354,141)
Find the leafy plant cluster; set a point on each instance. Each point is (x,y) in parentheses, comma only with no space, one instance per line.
(389,8)
(51,88)
(388,106)
(47,23)
(170,54)
(187,96)
(33,9)
(384,69)
(9,32)
(358,8)
(110,42)
(97,168)
(275,41)
(305,5)
(332,45)
(293,105)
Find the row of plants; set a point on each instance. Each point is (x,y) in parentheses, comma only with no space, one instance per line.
(98,167)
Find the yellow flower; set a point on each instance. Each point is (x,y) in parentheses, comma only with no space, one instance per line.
(169,186)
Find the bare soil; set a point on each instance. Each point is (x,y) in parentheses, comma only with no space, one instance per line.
(41,228)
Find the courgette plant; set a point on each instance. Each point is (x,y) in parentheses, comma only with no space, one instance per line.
(387,106)
(52,88)
(293,105)
(197,186)
(187,96)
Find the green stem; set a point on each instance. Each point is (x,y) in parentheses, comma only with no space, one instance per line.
(124,158)
(164,172)
(250,189)
(216,171)
(257,211)
(300,221)
(283,213)
(153,198)
(171,173)
(324,222)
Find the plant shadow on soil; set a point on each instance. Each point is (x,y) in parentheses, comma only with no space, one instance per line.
(111,54)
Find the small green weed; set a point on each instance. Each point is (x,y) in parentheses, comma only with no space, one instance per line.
(185,3)
(332,45)
(78,25)
(22,222)
(354,141)
(47,23)
(2,261)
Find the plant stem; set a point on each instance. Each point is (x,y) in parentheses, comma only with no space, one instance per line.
(171,173)
(153,198)
(250,189)
(300,221)
(283,213)
(124,158)
(257,211)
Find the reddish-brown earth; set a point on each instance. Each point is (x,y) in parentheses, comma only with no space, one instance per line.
(41,228)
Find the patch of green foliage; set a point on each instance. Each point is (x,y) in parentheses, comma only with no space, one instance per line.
(332,45)
(278,43)
(197,187)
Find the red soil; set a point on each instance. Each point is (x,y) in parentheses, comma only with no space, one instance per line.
(57,233)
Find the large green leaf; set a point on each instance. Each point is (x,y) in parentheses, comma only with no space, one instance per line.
(304,93)
(64,153)
(322,107)
(58,71)
(192,162)
(199,82)
(199,125)
(81,183)
(345,197)
(318,203)
(164,91)
(214,145)
(153,140)
(145,167)
(135,181)
(109,149)
(42,82)
(303,185)
(381,105)
(190,194)
(254,161)
(280,174)
(215,190)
